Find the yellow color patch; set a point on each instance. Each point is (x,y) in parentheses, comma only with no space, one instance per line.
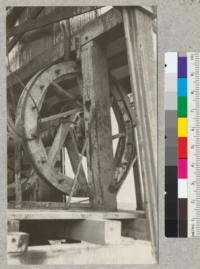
(182,127)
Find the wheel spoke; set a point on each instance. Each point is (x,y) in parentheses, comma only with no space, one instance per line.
(58,142)
(118,135)
(47,122)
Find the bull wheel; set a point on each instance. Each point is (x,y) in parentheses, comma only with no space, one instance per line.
(43,138)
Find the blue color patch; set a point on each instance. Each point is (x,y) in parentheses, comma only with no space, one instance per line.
(182,86)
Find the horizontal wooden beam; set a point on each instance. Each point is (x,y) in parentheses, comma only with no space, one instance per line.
(96,231)
(45,214)
(100,25)
(59,14)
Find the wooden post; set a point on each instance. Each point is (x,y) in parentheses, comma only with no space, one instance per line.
(18,191)
(141,61)
(96,98)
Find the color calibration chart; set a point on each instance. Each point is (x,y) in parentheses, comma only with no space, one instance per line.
(182,144)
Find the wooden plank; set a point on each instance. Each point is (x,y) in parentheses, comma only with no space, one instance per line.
(58,142)
(55,118)
(142,67)
(98,126)
(96,231)
(59,14)
(128,252)
(17,167)
(83,203)
(66,214)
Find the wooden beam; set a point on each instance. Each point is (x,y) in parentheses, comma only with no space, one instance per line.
(100,26)
(96,231)
(96,98)
(143,83)
(59,14)
(17,168)
(66,214)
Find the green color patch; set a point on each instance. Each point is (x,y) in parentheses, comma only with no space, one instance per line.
(182,106)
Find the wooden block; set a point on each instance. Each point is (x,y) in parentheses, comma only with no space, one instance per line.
(136,229)
(13,225)
(95,231)
(17,242)
(61,214)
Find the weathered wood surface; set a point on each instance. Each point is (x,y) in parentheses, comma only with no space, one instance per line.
(17,242)
(136,229)
(96,96)
(96,231)
(142,66)
(59,14)
(17,169)
(128,252)
(56,53)
(13,226)
(66,214)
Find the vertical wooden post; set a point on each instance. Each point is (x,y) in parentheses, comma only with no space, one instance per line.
(138,32)
(18,191)
(96,98)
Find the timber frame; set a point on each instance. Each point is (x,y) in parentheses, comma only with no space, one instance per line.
(88,49)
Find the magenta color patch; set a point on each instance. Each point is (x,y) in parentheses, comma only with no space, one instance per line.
(182,168)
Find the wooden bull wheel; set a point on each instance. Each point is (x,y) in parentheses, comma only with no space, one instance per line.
(66,128)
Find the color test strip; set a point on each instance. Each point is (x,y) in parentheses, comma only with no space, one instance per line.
(171,130)
(193,62)
(182,146)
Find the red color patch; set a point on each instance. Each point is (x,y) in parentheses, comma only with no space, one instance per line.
(182,147)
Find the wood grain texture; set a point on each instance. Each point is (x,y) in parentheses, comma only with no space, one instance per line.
(66,214)
(96,231)
(96,95)
(137,30)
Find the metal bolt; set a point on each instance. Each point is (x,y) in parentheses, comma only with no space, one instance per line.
(33,107)
(41,87)
(43,160)
(57,71)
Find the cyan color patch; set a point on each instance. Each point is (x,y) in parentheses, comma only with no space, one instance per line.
(182,86)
